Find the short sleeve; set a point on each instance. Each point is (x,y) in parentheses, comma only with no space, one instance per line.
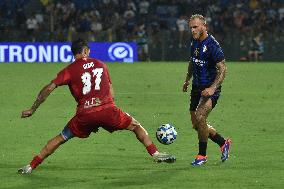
(63,78)
(107,73)
(217,53)
(191,51)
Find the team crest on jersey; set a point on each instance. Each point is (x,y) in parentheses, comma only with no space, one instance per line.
(196,52)
(204,48)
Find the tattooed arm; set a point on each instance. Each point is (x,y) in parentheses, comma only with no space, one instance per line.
(43,94)
(188,77)
(221,72)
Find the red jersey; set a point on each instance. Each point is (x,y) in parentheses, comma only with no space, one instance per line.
(89,83)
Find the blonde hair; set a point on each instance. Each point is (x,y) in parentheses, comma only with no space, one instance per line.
(199,16)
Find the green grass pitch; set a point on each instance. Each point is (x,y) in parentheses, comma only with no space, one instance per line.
(250,111)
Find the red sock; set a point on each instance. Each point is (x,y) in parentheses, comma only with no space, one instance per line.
(151,149)
(35,162)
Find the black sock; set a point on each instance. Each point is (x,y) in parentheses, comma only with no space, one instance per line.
(202,148)
(218,139)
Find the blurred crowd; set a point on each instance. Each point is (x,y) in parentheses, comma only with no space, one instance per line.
(148,22)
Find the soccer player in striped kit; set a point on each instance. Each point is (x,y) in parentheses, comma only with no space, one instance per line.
(207,68)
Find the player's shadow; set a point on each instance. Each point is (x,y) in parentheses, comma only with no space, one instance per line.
(39,180)
(109,176)
(10,179)
(142,179)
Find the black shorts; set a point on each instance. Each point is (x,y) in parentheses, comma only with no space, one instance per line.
(195,96)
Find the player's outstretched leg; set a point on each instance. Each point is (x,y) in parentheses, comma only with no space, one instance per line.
(143,137)
(47,150)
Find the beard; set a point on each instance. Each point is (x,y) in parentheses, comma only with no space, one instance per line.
(198,35)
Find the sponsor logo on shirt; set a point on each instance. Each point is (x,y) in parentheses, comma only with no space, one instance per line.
(199,62)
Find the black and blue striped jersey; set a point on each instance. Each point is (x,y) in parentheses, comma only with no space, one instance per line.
(204,57)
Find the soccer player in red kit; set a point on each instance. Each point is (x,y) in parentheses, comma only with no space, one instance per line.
(90,84)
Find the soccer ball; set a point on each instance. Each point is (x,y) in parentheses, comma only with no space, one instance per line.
(166,134)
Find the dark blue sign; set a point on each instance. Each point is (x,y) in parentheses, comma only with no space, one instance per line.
(61,52)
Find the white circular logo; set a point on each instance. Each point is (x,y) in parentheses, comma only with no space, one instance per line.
(121,52)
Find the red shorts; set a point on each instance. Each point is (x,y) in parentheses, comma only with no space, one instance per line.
(111,119)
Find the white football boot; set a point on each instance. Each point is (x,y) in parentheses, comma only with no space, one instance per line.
(164,157)
(25,170)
